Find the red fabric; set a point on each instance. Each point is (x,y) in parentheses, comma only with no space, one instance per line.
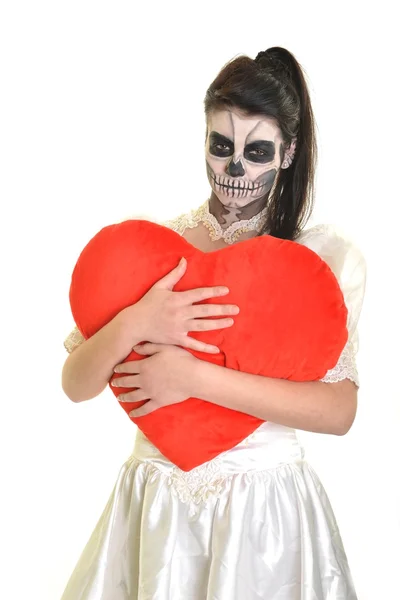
(292,321)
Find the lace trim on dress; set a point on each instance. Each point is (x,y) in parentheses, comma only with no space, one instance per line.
(209,480)
(203,215)
(199,484)
(74,339)
(191,487)
(346,367)
(182,222)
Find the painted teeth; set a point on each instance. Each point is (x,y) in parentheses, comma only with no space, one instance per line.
(222,182)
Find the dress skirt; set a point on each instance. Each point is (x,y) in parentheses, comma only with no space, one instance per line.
(254,523)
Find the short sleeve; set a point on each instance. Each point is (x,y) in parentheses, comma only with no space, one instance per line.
(74,340)
(348,265)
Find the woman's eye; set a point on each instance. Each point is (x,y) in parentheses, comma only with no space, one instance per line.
(258,152)
(220,149)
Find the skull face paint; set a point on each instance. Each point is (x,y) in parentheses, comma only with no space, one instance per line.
(243,155)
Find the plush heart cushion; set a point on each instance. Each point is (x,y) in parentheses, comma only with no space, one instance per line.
(292,321)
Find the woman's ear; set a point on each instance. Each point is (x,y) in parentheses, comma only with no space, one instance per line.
(289,154)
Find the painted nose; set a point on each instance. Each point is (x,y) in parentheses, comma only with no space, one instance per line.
(235,169)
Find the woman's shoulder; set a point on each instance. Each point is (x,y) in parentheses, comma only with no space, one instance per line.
(325,235)
(334,246)
(346,261)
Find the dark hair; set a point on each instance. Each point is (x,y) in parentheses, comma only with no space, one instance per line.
(273,85)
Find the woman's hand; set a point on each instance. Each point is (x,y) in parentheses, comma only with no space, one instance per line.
(163,379)
(166,317)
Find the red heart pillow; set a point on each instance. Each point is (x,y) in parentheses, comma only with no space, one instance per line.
(291,325)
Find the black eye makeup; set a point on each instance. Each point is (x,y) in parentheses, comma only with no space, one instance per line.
(220,145)
(260,151)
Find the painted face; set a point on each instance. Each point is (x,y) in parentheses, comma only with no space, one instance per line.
(243,155)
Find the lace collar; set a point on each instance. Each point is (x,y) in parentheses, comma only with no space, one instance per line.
(203,215)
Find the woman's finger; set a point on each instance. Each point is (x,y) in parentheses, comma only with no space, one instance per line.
(212,310)
(198,346)
(136,396)
(199,294)
(127,381)
(144,410)
(148,349)
(210,325)
(132,366)
(171,279)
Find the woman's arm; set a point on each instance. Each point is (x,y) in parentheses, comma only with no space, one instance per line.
(89,367)
(311,406)
(169,375)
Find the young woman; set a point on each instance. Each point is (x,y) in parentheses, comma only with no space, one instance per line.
(255,522)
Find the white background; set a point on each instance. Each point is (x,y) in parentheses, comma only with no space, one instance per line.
(102,118)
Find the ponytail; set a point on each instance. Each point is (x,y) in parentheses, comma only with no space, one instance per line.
(292,199)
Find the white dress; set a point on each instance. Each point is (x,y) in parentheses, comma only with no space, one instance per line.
(254,523)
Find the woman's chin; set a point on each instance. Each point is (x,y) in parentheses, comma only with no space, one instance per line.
(232,202)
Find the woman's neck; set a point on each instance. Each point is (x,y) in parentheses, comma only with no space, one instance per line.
(227,215)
